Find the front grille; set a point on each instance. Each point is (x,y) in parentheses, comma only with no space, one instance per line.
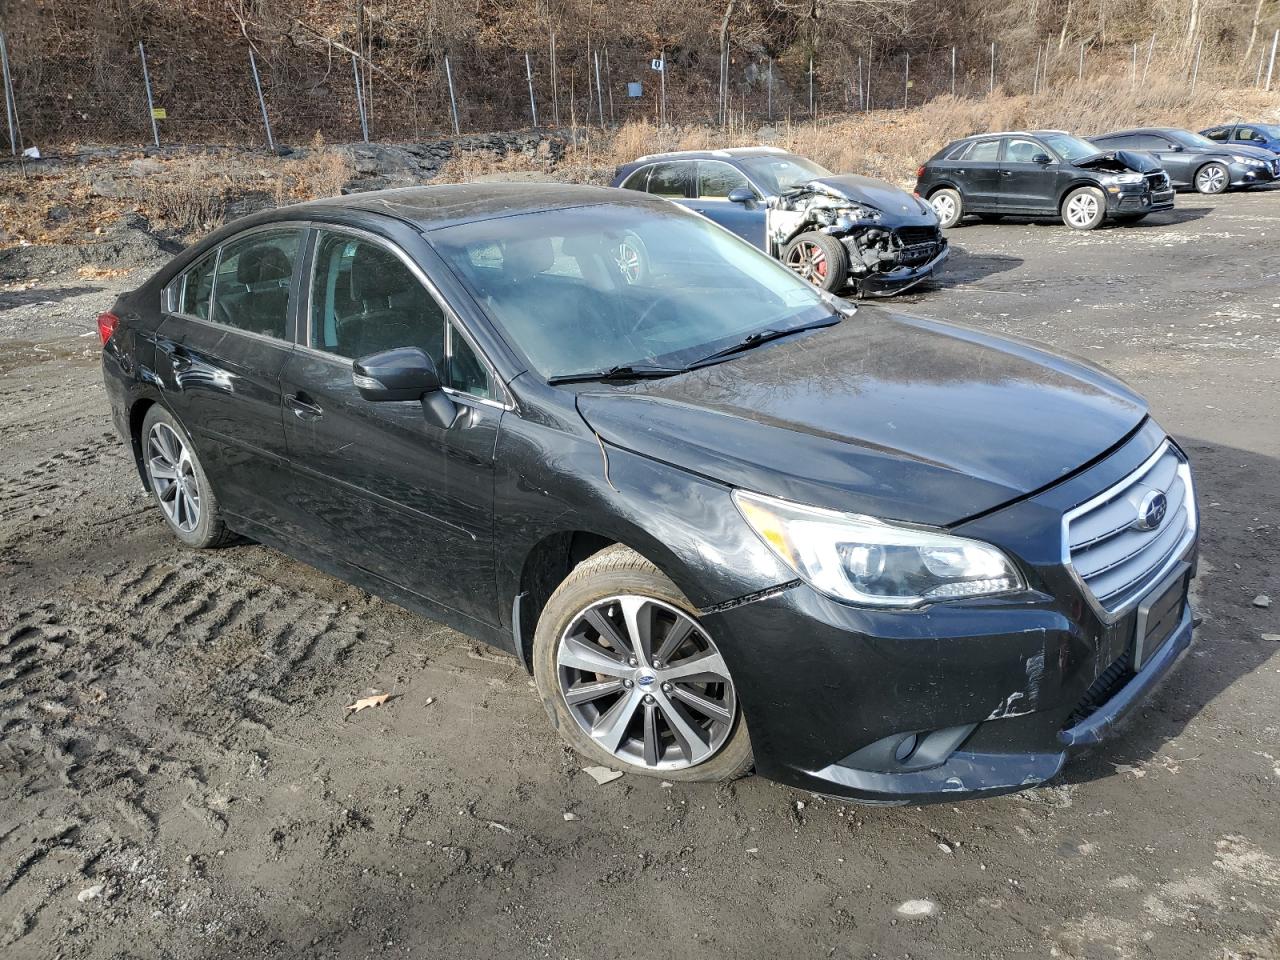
(1107,546)
(1108,684)
(908,236)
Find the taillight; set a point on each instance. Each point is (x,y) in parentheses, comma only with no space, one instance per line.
(107,323)
(920,173)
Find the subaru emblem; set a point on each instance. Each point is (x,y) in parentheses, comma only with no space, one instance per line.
(1151,511)
(645,679)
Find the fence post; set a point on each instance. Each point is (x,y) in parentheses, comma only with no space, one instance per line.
(906,79)
(1151,48)
(769,87)
(953,71)
(811,87)
(10,101)
(528,72)
(1035,74)
(862,90)
(991,86)
(1262,58)
(1271,65)
(1080,69)
(599,93)
(555,91)
(1195,71)
(1133,77)
(364,120)
(257,82)
(151,106)
(453,100)
(662,82)
(608,79)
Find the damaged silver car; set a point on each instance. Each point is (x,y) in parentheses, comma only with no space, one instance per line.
(836,231)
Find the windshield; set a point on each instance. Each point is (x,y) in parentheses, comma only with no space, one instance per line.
(781,172)
(1069,147)
(610,285)
(1189,139)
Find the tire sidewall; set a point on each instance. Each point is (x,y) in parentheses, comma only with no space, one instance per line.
(206,529)
(583,588)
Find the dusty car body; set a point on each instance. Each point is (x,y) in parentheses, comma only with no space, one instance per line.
(833,230)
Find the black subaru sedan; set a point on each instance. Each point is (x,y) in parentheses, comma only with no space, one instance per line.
(723,517)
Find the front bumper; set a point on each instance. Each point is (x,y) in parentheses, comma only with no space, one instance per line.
(993,695)
(1246,175)
(899,279)
(1140,200)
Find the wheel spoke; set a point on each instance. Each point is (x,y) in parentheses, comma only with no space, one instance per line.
(637,613)
(586,692)
(162,470)
(705,706)
(608,632)
(612,725)
(652,747)
(580,655)
(677,633)
(169,492)
(709,665)
(686,732)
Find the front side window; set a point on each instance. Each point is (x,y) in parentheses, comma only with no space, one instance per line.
(251,290)
(716,180)
(1068,147)
(1193,140)
(692,289)
(196,288)
(1248,133)
(1021,151)
(670,179)
(365,299)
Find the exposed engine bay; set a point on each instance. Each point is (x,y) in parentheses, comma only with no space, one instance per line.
(882,229)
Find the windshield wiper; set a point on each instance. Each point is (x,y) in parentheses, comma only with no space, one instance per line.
(753,340)
(623,372)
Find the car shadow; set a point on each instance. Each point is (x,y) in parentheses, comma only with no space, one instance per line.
(963,268)
(1167,218)
(1234,568)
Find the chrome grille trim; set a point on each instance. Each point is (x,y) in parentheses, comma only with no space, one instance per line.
(1115,564)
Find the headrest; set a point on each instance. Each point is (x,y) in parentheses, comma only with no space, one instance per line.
(527,257)
(377,273)
(260,264)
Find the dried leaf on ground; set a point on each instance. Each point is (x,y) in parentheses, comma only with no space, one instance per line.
(364,703)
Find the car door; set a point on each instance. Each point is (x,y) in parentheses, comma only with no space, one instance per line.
(225,337)
(672,179)
(1028,185)
(713,182)
(1178,162)
(382,487)
(977,175)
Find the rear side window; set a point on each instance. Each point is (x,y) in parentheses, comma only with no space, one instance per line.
(716,180)
(251,291)
(670,179)
(637,179)
(984,151)
(196,288)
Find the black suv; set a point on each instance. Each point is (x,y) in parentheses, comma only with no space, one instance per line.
(1042,173)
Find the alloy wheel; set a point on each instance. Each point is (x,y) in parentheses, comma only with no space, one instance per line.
(173,477)
(1211,179)
(646,683)
(630,259)
(1082,209)
(944,205)
(807,259)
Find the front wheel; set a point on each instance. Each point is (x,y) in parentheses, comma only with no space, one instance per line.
(178,482)
(1212,178)
(948,205)
(1084,208)
(820,259)
(630,677)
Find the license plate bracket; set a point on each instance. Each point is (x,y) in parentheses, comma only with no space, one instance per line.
(1159,614)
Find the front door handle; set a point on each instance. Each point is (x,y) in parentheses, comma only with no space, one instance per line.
(1006,173)
(303,408)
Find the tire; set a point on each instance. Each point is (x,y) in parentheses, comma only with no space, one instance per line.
(1212,178)
(1084,208)
(598,591)
(820,259)
(186,499)
(948,205)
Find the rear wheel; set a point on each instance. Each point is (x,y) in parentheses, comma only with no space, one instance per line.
(1212,178)
(631,679)
(1084,208)
(820,259)
(178,482)
(948,205)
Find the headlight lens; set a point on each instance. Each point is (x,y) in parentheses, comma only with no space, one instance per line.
(1125,178)
(868,561)
(1248,161)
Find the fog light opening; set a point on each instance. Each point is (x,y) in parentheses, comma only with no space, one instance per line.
(906,747)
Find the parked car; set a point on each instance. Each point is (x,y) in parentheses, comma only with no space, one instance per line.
(721,518)
(1196,162)
(833,230)
(1041,173)
(1265,136)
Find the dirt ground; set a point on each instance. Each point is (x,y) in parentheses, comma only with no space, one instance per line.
(178,777)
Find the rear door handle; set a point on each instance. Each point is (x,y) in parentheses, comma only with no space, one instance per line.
(303,408)
(1006,173)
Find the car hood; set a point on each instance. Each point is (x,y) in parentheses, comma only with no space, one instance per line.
(1137,162)
(882,414)
(892,201)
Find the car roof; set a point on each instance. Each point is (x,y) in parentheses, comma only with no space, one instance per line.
(1007,133)
(1162,130)
(434,207)
(729,153)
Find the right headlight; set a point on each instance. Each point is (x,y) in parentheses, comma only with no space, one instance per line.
(863,560)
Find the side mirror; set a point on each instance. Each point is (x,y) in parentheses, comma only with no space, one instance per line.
(1042,158)
(1177,147)
(404,373)
(741,195)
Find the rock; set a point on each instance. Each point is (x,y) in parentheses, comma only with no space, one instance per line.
(89,893)
(1271,637)
(917,908)
(570,816)
(944,847)
(602,775)
(1262,600)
